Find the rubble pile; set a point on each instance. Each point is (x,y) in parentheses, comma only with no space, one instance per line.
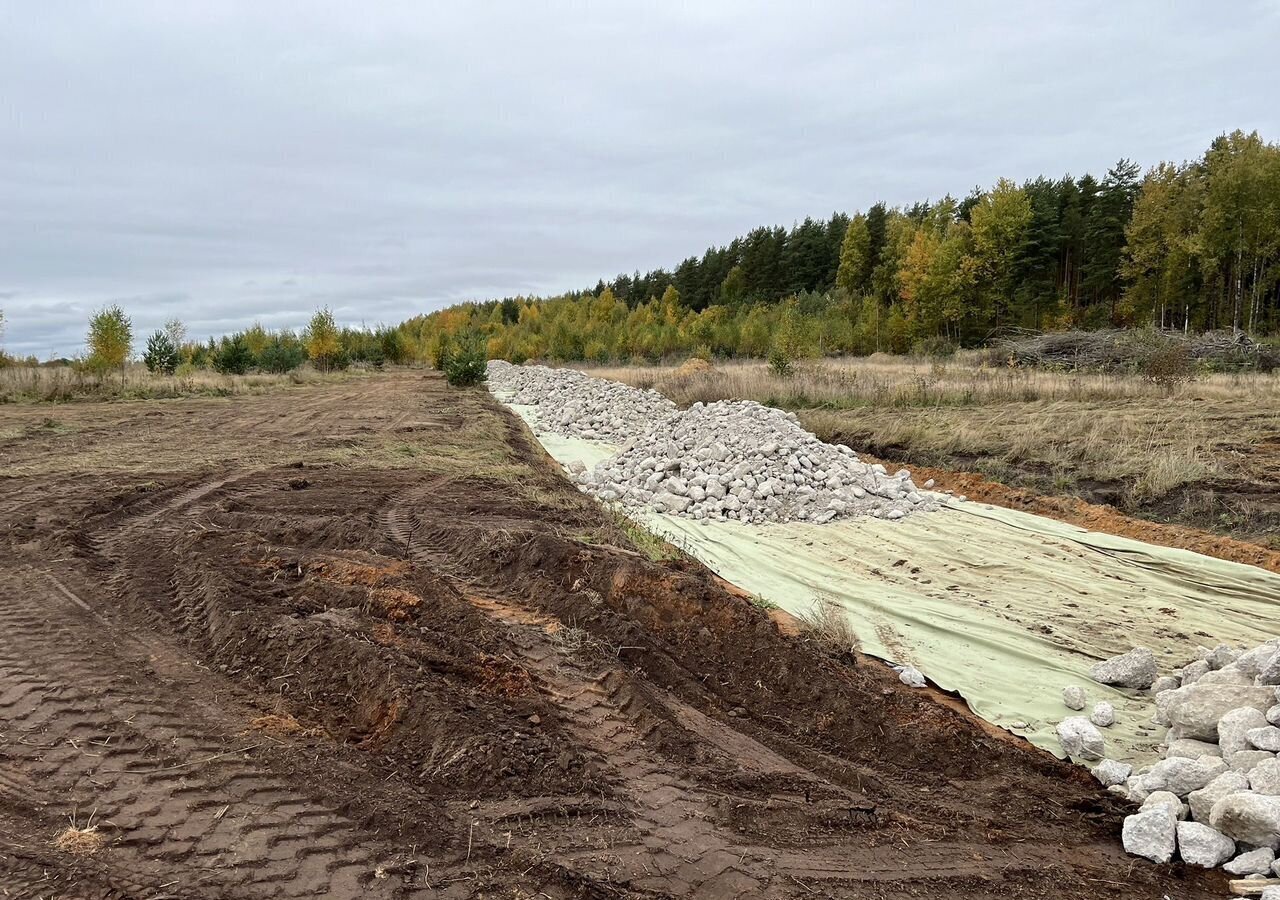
(577,405)
(733,459)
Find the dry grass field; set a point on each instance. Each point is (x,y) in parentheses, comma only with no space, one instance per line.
(61,384)
(1204,454)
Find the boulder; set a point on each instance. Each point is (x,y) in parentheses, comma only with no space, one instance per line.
(1135,669)
(1245,761)
(1270,893)
(1264,778)
(1234,728)
(1229,675)
(1192,749)
(1073,697)
(1273,715)
(1080,738)
(1112,772)
(1224,785)
(1193,710)
(1134,790)
(1248,817)
(1203,846)
(1254,862)
(1193,672)
(1264,738)
(1181,775)
(1269,670)
(1165,683)
(1151,835)
(1254,662)
(1103,715)
(1165,800)
(1221,655)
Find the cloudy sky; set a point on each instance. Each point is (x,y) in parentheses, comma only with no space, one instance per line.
(227,162)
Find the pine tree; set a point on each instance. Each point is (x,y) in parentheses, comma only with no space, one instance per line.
(161,356)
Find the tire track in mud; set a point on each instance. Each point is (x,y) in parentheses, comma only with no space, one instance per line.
(183,805)
(667,840)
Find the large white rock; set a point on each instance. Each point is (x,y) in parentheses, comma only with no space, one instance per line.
(1269,670)
(1254,862)
(1073,697)
(1193,710)
(1165,683)
(1224,785)
(1151,835)
(1111,772)
(1265,738)
(1221,655)
(1248,818)
(1181,775)
(1135,669)
(1103,715)
(1254,662)
(1194,671)
(1234,728)
(1245,761)
(1264,778)
(1165,800)
(1192,748)
(1080,739)
(1203,846)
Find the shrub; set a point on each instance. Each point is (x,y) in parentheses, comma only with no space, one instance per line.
(791,342)
(466,360)
(1166,362)
(281,356)
(934,347)
(161,355)
(322,340)
(233,356)
(110,340)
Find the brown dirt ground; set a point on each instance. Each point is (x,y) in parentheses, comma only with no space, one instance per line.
(1095,516)
(363,641)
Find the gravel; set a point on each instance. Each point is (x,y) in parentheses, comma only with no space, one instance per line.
(733,459)
(577,405)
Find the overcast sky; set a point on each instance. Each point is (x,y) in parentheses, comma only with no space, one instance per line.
(228,162)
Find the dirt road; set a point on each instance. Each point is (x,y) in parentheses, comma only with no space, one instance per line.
(361,640)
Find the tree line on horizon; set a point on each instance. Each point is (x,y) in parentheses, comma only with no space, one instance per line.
(1192,246)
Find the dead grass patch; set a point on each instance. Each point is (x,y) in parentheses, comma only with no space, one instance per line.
(64,384)
(827,625)
(84,841)
(283,725)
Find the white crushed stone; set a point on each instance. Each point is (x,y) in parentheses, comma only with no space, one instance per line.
(576,405)
(733,459)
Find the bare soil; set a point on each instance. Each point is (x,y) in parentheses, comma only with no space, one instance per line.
(362,640)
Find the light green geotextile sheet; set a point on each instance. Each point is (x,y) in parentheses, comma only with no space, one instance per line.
(1002,607)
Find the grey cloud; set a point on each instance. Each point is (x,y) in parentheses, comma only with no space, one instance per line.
(234,161)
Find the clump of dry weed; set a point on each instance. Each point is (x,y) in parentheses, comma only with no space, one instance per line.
(828,626)
(80,841)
